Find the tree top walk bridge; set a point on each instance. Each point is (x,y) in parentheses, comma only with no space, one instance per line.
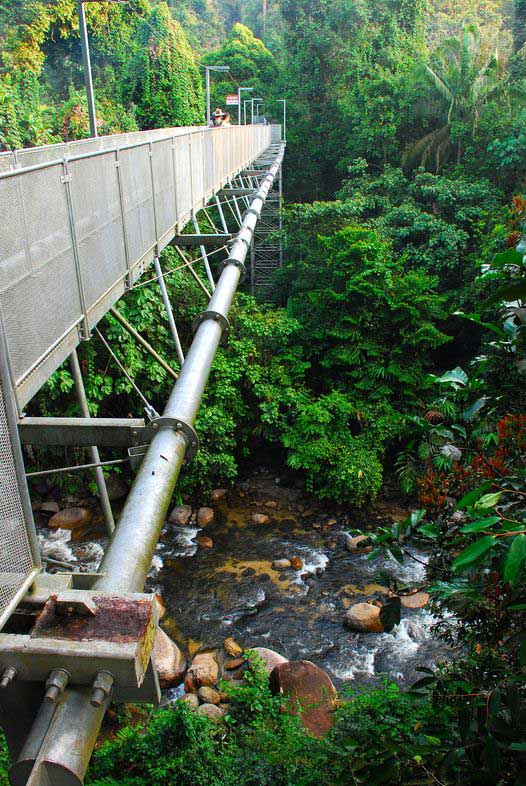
(81,223)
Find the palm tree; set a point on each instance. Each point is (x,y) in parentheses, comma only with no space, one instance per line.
(461,83)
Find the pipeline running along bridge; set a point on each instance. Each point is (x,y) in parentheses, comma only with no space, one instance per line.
(81,223)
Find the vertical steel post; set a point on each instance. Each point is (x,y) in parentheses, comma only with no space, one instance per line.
(87,67)
(207,81)
(168,307)
(94,451)
(221,214)
(204,255)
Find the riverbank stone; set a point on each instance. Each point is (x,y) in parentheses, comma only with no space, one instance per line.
(281,564)
(49,506)
(180,515)
(310,692)
(218,495)
(379,616)
(190,699)
(259,518)
(70,518)
(205,543)
(212,711)
(203,671)
(232,648)
(415,601)
(169,660)
(208,695)
(358,544)
(205,516)
(270,658)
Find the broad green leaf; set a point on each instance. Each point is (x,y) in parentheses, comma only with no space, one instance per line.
(505,258)
(473,553)
(508,292)
(518,746)
(416,516)
(471,411)
(430,530)
(478,526)
(454,377)
(476,318)
(517,607)
(515,559)
(472,496)
(488,501)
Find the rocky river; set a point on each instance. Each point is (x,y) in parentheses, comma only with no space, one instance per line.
(219,575)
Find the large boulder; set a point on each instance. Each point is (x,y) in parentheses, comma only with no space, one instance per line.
(205,516)
(169,660)
(365,618)
(374,618)
(70,518)
(270,658)
(181,515)
(310,692)
(203,671)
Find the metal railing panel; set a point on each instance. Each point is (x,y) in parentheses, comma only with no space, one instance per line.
(138,199)
(39,295)
(183,174)
(19,559)
(82,219)
(98,224)
(163,179)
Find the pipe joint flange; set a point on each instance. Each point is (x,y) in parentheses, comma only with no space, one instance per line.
(215,316)
(245,236)
(253,210)
(176,424)
(242,269)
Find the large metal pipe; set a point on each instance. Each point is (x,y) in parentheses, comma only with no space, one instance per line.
(129,555)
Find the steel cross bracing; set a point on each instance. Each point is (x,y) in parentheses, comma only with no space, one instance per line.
(55,684)
(266,252)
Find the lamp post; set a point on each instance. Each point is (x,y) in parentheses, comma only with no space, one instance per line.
(207,79)
(84,43)
(252,100)
(245,102)
(284,102)
(239,90)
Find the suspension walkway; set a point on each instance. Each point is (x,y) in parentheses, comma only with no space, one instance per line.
(82,222)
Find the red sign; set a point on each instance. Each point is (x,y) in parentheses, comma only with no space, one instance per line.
(231,100)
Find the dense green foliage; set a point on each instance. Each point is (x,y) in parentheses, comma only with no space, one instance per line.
(379,736)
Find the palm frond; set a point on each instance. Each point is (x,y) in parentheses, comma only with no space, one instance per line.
(434,146)
(434,80)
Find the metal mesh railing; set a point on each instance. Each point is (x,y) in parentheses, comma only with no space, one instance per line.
(82,220)
(16,558)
